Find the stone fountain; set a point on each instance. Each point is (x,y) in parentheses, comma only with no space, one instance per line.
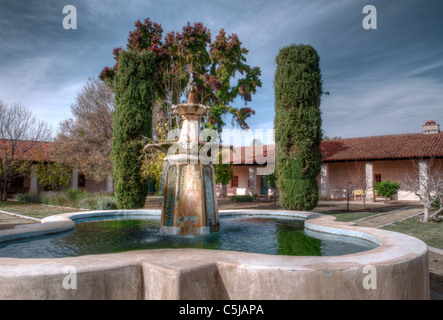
(189,200)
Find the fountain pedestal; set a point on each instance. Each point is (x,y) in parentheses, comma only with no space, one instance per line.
(190,202)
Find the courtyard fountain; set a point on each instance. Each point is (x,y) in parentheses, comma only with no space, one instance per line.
(398,263)
(189,200)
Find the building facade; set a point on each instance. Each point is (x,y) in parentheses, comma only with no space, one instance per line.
(34,152)
(351,167)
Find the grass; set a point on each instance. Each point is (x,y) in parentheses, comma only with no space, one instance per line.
(77,199)
(431,233)
(350,216)
(33,210)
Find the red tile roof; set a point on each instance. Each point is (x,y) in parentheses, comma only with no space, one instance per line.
(26,150)
(397,146)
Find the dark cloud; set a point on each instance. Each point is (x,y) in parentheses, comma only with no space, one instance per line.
(389,75)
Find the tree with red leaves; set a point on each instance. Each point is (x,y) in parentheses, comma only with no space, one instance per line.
(214,64)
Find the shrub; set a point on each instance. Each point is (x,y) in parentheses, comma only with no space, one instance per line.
(297,124)
(67,198)
(88,203)
(437,204)
(134,98)
(245,198)
(27,197)
(55,198)
(387,188)
(75,194)
(106,203)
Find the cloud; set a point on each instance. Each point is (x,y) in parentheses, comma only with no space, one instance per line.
(384,107)
(382,81)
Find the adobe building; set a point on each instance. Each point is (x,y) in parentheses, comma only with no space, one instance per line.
(352,166)
(35,151)
(354,162)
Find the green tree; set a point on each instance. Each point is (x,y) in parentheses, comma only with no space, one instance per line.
(152,159)
(53,175)
(387,189)
(270,181)
(219,68)
(134,98)
(297,126)
(224,172)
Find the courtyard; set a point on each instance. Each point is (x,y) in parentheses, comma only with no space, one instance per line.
(239,150)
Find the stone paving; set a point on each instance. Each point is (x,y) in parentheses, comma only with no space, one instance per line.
(9,221)
(386,218)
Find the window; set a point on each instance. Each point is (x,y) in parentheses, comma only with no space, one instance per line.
(234,181)
(377,177)
(81,181)
(17,182)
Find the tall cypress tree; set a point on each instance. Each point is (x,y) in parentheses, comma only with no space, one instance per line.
(134,99)
(297,125)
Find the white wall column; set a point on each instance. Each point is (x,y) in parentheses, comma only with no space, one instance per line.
(110,184)
(33,187)
(74,179)
(324,181)
(252,180)
(369,173)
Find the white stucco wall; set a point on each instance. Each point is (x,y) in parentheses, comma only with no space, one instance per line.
(340,173)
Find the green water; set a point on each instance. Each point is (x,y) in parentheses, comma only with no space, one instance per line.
(244,234)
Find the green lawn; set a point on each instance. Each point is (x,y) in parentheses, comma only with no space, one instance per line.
(431,233)
(350,216)
(33,210)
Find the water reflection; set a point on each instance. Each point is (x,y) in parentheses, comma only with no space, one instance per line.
(246,234)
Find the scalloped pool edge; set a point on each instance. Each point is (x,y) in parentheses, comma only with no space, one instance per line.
(396,269)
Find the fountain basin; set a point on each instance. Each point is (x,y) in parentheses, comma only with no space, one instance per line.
(399,264)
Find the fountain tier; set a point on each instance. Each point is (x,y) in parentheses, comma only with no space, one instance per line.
(189,203)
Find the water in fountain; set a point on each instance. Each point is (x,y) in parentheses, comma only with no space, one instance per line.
(255,234)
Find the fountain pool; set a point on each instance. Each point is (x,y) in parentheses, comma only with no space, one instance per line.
(397,264)
(265,234)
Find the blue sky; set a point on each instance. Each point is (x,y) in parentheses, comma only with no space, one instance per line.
(383,81)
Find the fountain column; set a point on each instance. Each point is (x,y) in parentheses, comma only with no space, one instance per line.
(190,203)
